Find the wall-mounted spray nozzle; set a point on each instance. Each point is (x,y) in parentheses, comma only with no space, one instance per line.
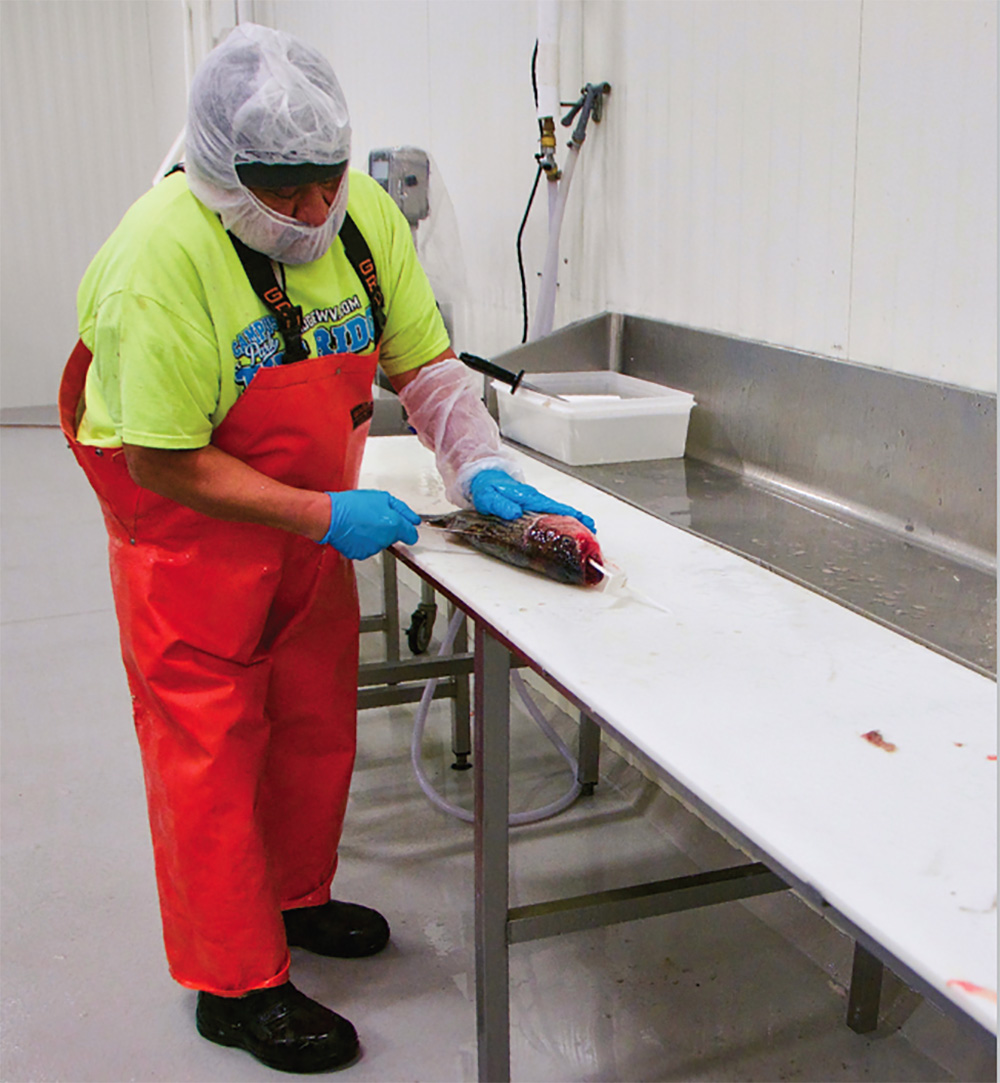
(590,105)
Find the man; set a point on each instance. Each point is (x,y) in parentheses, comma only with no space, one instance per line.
(218,401)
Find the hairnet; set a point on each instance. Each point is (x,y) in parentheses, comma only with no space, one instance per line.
(263,96)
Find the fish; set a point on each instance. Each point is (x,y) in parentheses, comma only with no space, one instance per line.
(558,546)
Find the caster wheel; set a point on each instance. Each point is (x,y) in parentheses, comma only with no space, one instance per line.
(418,635)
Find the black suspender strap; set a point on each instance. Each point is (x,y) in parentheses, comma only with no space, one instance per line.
(265,284)
(261,274)
(359,256)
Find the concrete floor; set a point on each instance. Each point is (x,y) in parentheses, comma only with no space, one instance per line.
(752,991)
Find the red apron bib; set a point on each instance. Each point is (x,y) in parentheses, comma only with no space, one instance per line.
(241,647)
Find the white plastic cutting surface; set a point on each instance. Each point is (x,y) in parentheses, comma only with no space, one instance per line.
(756,694)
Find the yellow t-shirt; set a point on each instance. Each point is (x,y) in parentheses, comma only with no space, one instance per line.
(178,333)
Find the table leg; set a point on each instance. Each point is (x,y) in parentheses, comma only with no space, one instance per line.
(589,754)
(865,992)
(490,762)
(390,596)
(461,736)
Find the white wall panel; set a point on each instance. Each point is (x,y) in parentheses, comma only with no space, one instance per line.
(379,52)
(925,262)
(820,176)
(723,175)
(92,96)
(485,136)
(454,78)
(383,54)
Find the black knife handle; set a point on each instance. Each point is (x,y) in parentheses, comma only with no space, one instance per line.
(487,368)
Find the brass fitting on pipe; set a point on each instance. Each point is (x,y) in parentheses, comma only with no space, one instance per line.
(547,156)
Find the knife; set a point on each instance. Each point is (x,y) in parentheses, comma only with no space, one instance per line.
(515,380)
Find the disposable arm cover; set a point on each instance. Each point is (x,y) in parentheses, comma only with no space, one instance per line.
(445,409)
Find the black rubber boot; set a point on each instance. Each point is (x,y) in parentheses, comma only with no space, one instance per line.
(343,930)
(281,1027)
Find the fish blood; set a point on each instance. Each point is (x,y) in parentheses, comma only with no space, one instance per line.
(975,990)
(557,546)
(876,738)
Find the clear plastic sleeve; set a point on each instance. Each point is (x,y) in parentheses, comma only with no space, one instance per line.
(444,407)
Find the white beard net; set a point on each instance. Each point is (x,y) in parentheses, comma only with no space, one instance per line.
(283,238)
(264,96)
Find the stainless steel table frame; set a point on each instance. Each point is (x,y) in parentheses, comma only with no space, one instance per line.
(810,687)
(498,925)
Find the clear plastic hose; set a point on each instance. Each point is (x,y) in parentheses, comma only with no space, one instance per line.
(546,308)
(420,720)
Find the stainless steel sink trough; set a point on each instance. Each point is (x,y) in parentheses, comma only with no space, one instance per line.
(873,488)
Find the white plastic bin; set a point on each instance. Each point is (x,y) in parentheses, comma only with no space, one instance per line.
(610,418)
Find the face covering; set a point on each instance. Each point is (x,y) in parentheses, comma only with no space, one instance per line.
(282,238)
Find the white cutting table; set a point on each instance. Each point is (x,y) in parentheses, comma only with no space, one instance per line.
(751,697)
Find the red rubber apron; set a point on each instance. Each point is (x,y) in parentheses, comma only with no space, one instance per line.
(241,647)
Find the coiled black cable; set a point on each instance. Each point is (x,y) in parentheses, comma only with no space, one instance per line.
(531,199)
(520,260)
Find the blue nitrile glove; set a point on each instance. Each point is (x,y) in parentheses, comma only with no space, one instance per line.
(363,522)
(495,493)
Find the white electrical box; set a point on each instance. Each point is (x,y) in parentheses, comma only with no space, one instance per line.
(404,172)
